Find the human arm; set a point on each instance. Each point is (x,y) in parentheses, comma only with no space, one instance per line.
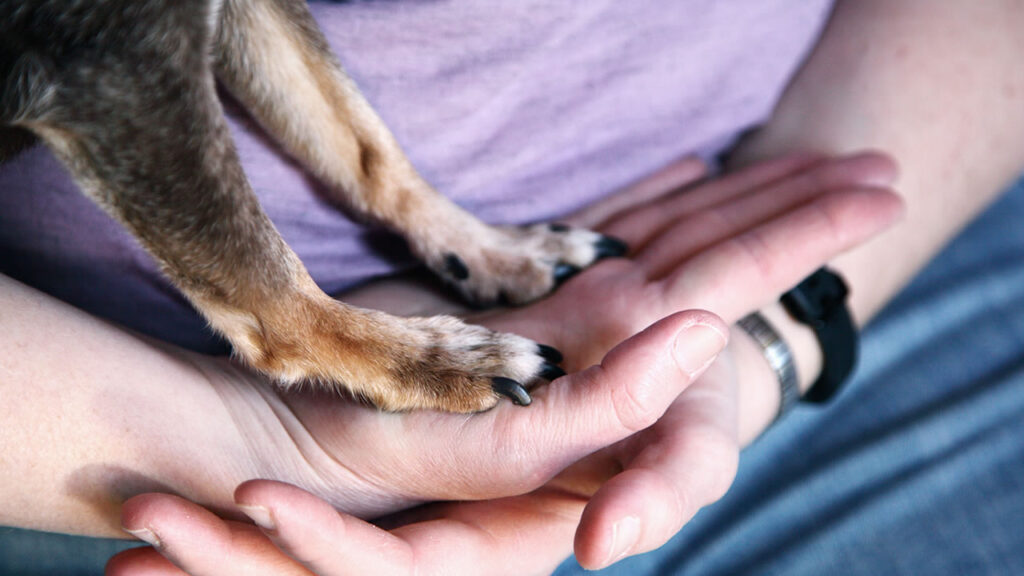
(936,85)
(939,86)
(91,414)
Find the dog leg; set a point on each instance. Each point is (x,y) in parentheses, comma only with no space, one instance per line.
(139,125)
(272,57)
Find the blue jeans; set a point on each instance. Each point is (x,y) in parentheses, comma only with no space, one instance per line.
(917,468)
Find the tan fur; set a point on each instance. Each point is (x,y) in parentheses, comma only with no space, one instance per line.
(398,364)
(295,87)
(149,143)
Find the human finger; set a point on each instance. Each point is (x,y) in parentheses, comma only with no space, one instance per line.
(775,255)
(640,222)
(628,391)
(440,539)
(323,540)
(199,542)
(690,461)
(797,176)
(142,561)
(669,179)
(693,230)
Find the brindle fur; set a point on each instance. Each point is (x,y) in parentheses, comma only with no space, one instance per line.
(124,93)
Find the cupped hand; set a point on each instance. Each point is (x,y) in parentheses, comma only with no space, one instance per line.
(730,245)
(302,532)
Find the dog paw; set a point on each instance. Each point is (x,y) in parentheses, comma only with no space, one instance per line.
(518,265)
(398,364)
(457,367)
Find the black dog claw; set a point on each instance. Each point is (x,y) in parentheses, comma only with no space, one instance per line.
(609,247)
(511,389)
(565,271)
(551,372)
(549,353)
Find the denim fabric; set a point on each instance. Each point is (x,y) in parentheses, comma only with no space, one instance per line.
(918,467)
(31,553)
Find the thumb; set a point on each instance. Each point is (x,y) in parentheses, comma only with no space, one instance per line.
(632,387)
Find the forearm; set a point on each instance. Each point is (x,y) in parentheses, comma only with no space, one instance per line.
(90,415)
(939,86)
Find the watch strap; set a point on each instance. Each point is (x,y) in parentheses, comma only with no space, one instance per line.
(820,303)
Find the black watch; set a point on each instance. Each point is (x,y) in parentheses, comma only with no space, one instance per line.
(820,302)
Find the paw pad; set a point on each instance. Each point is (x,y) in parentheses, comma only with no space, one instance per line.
(455,267)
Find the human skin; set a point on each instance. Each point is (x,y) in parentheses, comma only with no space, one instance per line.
(780,206)
(145,416)
(937,85)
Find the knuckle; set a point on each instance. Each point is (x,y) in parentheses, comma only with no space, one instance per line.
(718,453)
(721,477)
(829,213)
(525,470)
(753,248)
(685,507)
(633,410)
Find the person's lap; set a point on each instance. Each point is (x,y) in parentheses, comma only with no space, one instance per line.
(917,468)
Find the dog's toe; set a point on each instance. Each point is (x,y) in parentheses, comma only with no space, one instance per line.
(518,265)
(610,247)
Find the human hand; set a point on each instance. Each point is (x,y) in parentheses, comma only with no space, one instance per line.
(809,231)
(299,533)
(729,245)
(651,484)
(302,531)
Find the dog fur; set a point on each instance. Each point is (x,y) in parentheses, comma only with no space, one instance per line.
(124,93)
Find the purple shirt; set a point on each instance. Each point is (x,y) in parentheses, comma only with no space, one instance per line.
(519,111)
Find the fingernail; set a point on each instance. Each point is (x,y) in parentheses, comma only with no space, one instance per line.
(697,347)
(625,535)
(549,353)
(146,535)
(882,170)
(881,179)
(260,516)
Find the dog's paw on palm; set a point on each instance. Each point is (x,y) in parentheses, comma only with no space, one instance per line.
(446,364)
(517,265)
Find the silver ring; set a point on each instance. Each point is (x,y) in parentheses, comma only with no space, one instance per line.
(776,351)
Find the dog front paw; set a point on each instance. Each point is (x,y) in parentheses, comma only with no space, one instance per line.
(436,362)
(457,367)
(519,265)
